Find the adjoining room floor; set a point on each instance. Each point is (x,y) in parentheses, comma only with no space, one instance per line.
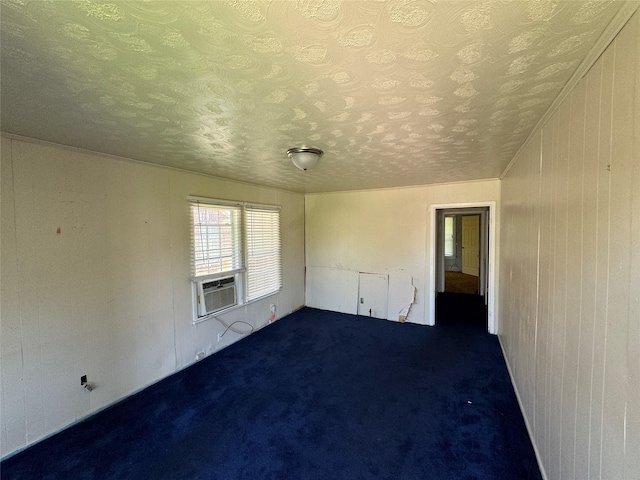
(316,395)
(458,282)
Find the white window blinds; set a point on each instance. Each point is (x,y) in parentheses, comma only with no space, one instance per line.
(216,238)
(264,258)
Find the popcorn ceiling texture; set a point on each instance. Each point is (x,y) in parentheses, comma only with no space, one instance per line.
(395,92)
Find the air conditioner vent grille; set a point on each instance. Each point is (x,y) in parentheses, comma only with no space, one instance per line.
(215,295)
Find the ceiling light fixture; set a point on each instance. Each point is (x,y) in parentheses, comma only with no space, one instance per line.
(304,158)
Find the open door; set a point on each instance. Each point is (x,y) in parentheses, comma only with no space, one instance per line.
(471,245)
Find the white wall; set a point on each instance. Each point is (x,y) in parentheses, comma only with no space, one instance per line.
(377,231)
(95,280)
(570,276)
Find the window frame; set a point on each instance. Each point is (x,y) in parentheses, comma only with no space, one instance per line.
(452,239)
(241,273)
(237,242)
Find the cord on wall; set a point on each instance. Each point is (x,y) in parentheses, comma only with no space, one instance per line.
(228,327)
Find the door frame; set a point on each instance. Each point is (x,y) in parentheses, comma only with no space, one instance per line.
(483,213)
(491,274)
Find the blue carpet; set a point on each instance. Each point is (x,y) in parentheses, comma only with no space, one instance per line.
(317,395)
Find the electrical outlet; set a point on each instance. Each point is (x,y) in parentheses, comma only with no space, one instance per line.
(219,336)
(273,309)
(200,356)
(84,382)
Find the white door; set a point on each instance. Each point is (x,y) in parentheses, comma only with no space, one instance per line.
(373,292)
(471,244)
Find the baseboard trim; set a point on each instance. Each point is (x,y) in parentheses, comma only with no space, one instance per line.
(524,414)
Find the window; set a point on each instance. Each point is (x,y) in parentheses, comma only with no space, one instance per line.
(264,275)
(216,246)
(233,239)
(449,235)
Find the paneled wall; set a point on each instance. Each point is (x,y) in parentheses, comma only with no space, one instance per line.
(570,274)
(382,232)
(96,281)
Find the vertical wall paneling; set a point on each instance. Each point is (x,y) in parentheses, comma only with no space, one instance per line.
(574,281)
(616,363)
(589,270)
(571,201)
(559,294)
(602,260)
(632,424)
(96,281)
(12,427)
(520,223)
(544,355)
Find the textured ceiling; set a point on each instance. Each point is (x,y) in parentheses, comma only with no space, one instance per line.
(395,92)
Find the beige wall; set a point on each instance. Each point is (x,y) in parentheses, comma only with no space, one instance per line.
(378,231)
(569,278)
(95,280)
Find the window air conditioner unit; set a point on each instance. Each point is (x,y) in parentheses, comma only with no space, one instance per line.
(214,295)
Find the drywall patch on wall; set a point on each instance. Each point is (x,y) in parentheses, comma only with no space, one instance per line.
(359,231)
(332,289)
(402,296)
(338,290)
(373,295)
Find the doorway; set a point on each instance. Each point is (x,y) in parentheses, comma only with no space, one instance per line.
(460,234)
(472,226)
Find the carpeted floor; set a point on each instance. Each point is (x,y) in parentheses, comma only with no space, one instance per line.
(317,395)
(464,311)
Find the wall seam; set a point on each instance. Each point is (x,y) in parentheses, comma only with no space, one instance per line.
(606,302)
(595,289)
(15,239)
